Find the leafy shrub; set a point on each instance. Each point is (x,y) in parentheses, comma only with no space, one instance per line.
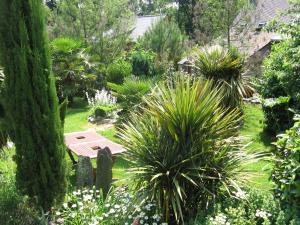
(224,67)
(183,147)
(286,173)
(74,72)
(130,93)
(14,208)
(118,71)
(278,116)
(165,39)
(281,74)
(143,63)
(100,112)
(254,208)
(102,105)
(88,207)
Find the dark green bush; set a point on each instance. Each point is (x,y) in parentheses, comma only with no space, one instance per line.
(166,40)
(278,115)
(100,112)
(143,63)
(130,95)
(75,70)
(14,208)
(118,71)
(286,172)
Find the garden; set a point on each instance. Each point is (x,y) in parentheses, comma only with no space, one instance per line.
(202,143)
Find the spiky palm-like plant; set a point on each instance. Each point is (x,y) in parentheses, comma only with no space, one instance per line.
(224,67)
(183,147)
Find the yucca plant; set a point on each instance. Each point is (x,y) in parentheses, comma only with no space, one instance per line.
(225,67)
(183,147)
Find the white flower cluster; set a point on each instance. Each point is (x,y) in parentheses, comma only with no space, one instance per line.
(102,98)
(81,204)
(262,214)
(88,207)
(220,219)
(241,194)
(144,213)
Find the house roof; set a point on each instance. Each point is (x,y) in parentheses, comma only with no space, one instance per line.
(246,29)
(142,25)
(269,9)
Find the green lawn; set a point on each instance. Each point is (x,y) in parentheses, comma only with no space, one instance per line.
(76,120)
(258,141)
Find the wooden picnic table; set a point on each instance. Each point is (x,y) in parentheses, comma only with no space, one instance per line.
(88,143)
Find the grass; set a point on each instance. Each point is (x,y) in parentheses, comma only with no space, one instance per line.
(258,141)
(77,117)
(76,120)
(253,131)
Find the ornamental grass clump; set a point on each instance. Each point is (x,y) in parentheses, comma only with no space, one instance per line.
(184,148)
(225,68)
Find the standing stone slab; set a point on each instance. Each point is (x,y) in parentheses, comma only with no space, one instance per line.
(84,172)
(104,170)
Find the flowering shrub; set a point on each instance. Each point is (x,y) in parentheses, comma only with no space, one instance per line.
(254,208)
(87,207)
(102,105)
(102,98)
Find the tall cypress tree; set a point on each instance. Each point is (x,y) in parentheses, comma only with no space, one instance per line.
(31,102)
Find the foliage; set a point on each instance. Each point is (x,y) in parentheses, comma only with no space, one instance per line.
(30,93)
(205,20)
(255,208)
(3,125)
(106,24)
(118,71)
(14,208)
(102,105)
(183,147)
(130,96)
(286,173)
(88,207)
(224,67)
(74,71)
(130,93)
(165,39)
(278,115)
(142,63)
(282,69)
(281,72)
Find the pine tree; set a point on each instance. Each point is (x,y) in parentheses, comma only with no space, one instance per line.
(31,102)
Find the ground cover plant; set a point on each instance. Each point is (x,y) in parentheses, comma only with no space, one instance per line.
(254,208)
(87,206)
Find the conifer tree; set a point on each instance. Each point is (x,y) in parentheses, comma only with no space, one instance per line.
(31,102)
